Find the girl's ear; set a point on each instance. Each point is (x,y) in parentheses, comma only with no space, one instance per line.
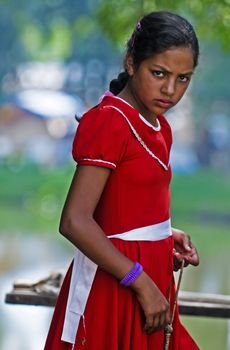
(129,65)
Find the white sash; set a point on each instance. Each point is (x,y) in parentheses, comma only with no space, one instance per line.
(84,270)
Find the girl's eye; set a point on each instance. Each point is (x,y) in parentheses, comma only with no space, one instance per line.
(183,78)
(158,73)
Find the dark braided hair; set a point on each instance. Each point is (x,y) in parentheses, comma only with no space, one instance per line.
(156,33)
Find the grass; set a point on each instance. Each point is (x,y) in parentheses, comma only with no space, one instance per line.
(193,196)
(209,333)
(205,190)
(201,206)
(32,198)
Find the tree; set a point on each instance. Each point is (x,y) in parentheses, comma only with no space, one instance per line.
(46,30)
(211,18)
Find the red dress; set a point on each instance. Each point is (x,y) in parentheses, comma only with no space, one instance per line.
(136,195)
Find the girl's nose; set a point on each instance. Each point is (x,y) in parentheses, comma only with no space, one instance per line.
(169,87)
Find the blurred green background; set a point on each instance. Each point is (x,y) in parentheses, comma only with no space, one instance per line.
(57,60)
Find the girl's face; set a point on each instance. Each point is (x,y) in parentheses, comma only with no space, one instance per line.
(160,81)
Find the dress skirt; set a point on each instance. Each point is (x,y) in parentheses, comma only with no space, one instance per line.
(113,318)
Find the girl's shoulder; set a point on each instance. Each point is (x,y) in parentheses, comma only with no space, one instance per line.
(101,137)
(103,117)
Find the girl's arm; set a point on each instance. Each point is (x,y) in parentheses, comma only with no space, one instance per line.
(78,226)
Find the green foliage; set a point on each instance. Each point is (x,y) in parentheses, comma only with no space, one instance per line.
(116,18)
(85,26)
(60,30)
(49,30)
(55,44)
(211,18)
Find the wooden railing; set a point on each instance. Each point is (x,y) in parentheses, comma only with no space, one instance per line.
(45,292)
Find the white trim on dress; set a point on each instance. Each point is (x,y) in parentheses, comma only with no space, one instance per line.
(166,167)
(98,161)
(156,128)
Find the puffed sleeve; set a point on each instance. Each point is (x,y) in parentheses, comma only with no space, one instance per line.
(101,138)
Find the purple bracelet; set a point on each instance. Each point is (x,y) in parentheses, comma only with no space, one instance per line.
(132,275)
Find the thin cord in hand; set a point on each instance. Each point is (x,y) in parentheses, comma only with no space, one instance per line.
(169,328)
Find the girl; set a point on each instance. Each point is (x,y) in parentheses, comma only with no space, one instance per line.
(116,293)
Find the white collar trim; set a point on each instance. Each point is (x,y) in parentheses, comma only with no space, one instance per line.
(156,128)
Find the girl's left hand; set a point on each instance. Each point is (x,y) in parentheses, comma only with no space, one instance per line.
(183,249)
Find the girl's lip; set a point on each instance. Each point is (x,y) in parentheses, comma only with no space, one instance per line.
(164,103)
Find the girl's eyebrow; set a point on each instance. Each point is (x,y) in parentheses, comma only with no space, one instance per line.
(167,71)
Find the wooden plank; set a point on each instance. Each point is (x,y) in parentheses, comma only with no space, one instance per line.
(30,298)
(204,297)
(193,304)
(204,309)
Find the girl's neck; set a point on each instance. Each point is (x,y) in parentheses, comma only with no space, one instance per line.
(127,95)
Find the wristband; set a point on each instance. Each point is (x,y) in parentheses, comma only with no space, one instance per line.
(132,275)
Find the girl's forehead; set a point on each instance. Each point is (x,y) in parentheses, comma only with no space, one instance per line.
(174,58)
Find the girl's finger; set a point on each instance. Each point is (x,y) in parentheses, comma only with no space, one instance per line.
(162,320)
(156,322)
(148,323)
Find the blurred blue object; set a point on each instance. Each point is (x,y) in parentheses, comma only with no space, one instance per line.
(183,159)
(41,126)
(49,104)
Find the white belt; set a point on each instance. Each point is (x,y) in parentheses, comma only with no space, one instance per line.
(148,233)
(84,270)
